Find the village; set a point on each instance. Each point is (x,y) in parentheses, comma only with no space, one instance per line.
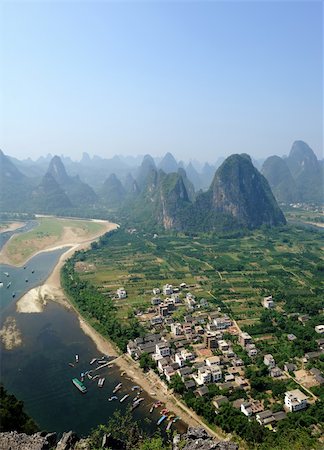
(197,348)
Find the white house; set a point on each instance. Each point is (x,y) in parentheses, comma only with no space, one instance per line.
(268,302)
(187,355)
(167,289)
(216,373)
(176,329)
(203,376)
(156,291)
(269,361)
(213,361)
(319,329)
(295,400)
(121,293)
(178,358)
(162,349)
(156,320)
(223,345)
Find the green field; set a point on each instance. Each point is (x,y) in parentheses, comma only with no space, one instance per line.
(233,273)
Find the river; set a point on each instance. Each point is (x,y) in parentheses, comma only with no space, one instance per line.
(38,371)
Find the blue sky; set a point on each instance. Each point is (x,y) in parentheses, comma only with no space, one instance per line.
(198,79)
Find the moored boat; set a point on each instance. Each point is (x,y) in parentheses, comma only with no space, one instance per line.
(93,360)
(6,273)
(116,389)
(71,364)
(169,425)
(14,294)
(8,285)
(79,385)
(124,398)
(101,382)
(76,358)
(161,420)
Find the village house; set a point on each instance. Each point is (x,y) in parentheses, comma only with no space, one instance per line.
(268,302)
(268,417)
(203,376)
(210,341)
(252,350)
(295,400)
(319,329)
(250,408)
(200,392)
(178,358)
(289,367)
(167,289)
(275,372)
(162,363)
(156,320)
(269,361)
(162,349)
(182,286)
(187,355)
(222,323)
(176,329)
(317,375)
(184,372)
(213,361)
(245,339)
(155,301)
(303,318)
(156,291)
(219,401)
(223,345)
(216,373)
(121,293)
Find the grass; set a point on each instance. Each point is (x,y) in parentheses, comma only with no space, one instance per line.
(49,232)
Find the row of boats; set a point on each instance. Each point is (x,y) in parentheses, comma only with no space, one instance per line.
(9,284)
(136,401)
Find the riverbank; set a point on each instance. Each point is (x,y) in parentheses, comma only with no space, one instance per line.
(35,300)
(11,226)
(19,250)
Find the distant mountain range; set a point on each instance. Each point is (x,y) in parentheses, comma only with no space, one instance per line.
(297,178)
(164,192)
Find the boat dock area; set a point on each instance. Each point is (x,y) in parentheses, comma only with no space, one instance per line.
(120,393)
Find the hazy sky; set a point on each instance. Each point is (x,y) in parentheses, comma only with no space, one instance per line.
(199,79)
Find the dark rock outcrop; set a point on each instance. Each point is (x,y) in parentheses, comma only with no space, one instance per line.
(199,439)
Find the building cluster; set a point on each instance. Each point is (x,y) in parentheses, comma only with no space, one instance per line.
(198,348)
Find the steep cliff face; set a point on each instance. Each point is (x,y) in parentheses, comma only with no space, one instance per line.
(240,191)
(173,197)
(276,171)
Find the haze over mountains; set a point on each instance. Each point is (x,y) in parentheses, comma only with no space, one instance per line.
(164,191)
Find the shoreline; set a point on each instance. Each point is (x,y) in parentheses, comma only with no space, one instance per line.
(12,227)
(51,290)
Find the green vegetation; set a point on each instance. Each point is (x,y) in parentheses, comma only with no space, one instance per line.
(13,416)
(49,231)
(233,272)
(123,429)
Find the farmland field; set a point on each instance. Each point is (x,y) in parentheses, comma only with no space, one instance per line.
(233,273)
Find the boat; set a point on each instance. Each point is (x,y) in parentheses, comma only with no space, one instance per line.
(157,404)
(89,376)
(6,273)
(110,399)
(175,419)
(101,382)
(8,285)
(24,267)
(169,425)
(76,358)
(26,280)
(135,387)
(116,389)
(1,284)
(136,403)
(33,271)
(14,294)
(95,377)
(93,361)
(123,373)
(71,364)
(124,398)
(101,361)
(164,411)
(152,408)
(161,420)
(79,385)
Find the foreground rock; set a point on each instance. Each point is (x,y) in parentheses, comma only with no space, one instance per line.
(194,439)
(199,439)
